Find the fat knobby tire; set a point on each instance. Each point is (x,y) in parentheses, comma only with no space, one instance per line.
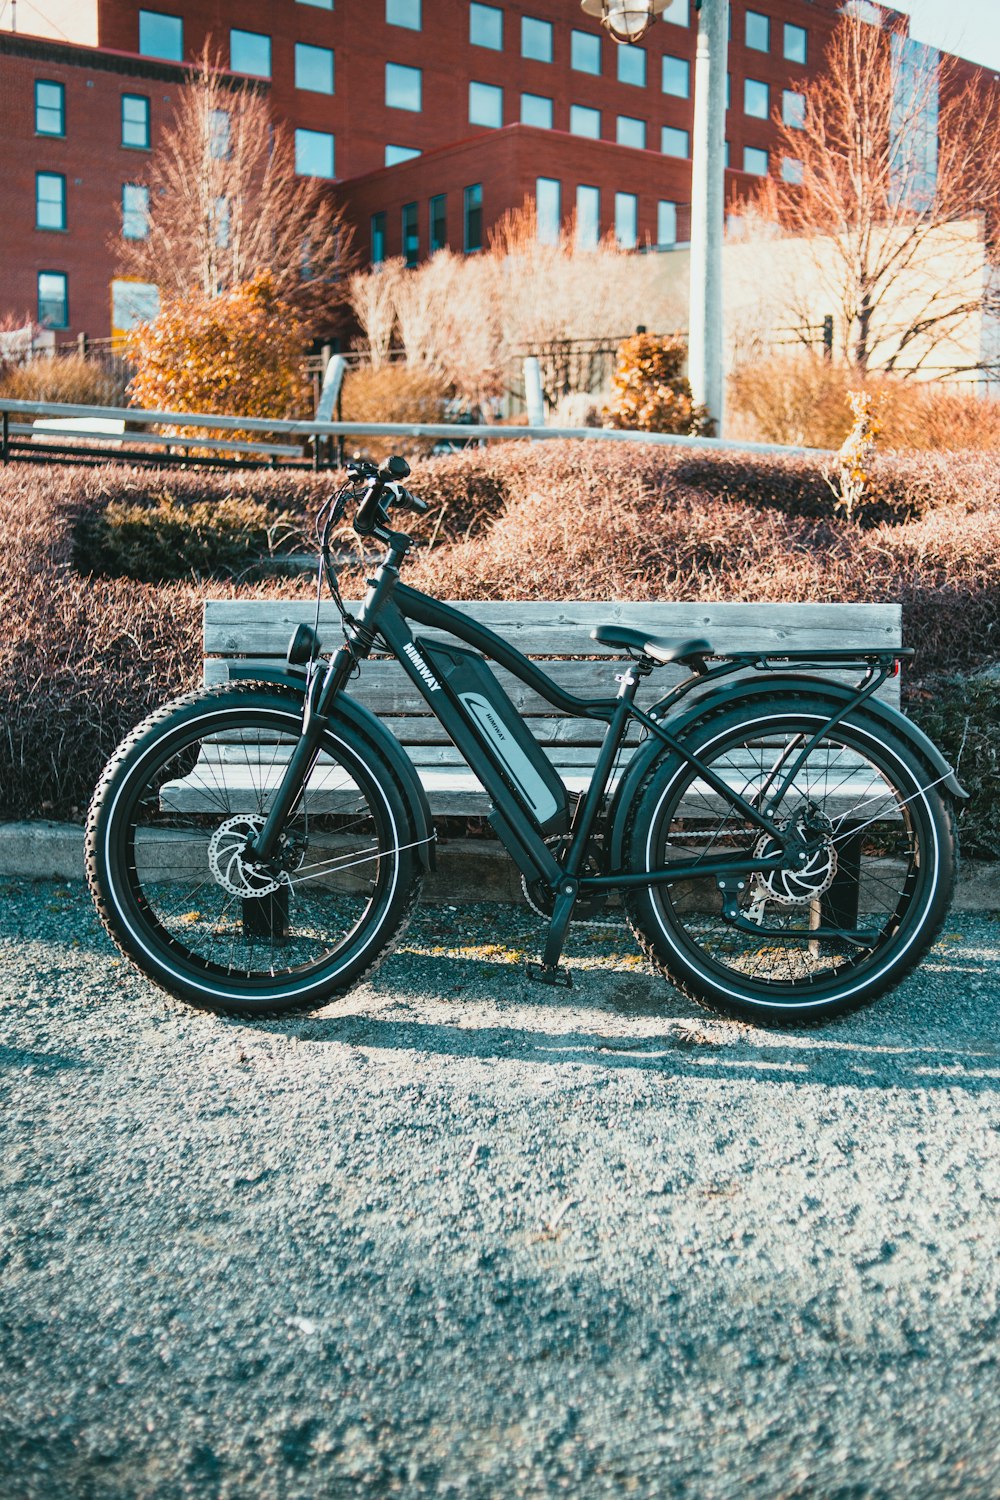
(658,930)
(108,883)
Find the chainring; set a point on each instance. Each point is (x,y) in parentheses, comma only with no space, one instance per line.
(540,899)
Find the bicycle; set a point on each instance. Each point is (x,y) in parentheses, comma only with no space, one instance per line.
(783,841)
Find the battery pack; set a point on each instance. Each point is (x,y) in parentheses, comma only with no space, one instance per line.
(500,731)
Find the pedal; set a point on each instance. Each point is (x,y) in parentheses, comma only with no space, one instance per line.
(554,975)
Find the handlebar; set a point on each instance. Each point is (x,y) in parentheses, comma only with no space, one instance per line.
(382,488)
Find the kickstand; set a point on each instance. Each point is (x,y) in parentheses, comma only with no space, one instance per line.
(554,974)
(550,970)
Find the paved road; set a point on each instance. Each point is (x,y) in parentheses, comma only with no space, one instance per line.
(465,1237)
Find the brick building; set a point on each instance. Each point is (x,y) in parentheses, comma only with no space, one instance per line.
(431,117)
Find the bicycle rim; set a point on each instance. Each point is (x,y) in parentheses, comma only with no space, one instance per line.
(182,818)
(830,929)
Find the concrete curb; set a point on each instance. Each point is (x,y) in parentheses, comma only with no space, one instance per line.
(468,869)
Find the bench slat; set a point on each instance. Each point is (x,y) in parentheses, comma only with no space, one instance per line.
(454,790)
(262,628)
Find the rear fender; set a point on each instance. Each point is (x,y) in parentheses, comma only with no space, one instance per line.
(351,712)
(723,698)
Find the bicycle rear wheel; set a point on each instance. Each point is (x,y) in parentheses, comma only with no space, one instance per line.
(828,937)
(166,835)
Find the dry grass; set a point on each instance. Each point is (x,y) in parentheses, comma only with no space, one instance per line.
(802,400)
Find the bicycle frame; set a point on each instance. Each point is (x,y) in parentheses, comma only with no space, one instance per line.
(385,613)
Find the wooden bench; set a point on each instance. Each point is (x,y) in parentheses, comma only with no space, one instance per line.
(240,633)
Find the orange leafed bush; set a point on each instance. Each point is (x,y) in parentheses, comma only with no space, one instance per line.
(237,354)
(650,393)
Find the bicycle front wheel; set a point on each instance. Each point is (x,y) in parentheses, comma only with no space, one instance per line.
(166,835)
(819,940)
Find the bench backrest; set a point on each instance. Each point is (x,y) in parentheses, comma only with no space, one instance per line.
(554,634)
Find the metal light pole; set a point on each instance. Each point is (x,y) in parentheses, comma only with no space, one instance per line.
(708,209)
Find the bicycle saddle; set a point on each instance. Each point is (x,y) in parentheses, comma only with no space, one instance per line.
(662,650)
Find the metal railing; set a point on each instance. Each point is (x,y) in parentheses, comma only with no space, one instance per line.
(303,443)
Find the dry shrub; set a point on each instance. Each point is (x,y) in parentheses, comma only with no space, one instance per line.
(67,377)
(236,354)
(650,394)
(80,662)
(597,525)
(803,400)
(962,715)
(167,541)
(393,393)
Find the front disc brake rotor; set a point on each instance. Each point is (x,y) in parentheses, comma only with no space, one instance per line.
(225,858)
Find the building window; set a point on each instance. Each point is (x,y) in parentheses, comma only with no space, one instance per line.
(161,36)
(678,13)
(627,220)
(135,211)
(756,99)
(631,66)
(250,52)
(218,134)
(314,153)
(588,217)
(438,222)
(485,105)
(536,39)
(403,87)
(793,109)
(313,68)
(378,238)
(319,4)
(411,234)
(585,52)
(666,222)
(222,222)
(50,200)
(674,142)
(486,27)
(547,209)
(473,215)
(631,132)
(395,154)
(755,161)
(725,153)
(53,299)
(758,32)
(50,108)
(585,121)
(791,169)
(403,13)
(536,110)
(796,43)
(135,121)
(676,76)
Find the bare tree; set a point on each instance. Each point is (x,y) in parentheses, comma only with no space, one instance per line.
(372,296)
(892,160)
(472,318)
(225,203)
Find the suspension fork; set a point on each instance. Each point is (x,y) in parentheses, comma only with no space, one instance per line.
(321,694)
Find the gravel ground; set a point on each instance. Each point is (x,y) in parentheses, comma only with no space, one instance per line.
(463,1236)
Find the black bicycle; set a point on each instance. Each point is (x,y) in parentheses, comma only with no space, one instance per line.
(783,843)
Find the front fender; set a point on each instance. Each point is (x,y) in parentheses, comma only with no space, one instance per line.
(722,698)
(368,724)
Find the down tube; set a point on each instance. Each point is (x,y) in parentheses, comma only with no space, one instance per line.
(526,846)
